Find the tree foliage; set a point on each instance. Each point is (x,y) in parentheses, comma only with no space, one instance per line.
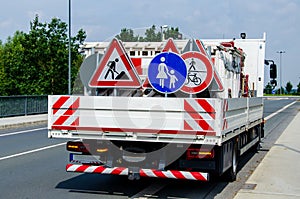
(288,87)
(172,33)
(152,34)
(127,35)
(37,62)
(298,88)
(268,89)
(280,91)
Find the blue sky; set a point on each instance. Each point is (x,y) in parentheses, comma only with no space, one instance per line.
(202,19)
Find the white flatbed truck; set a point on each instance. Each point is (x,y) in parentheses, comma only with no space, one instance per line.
(141,132)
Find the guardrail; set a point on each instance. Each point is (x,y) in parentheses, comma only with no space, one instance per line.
(23,105)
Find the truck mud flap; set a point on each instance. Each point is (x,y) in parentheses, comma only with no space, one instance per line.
(173,174)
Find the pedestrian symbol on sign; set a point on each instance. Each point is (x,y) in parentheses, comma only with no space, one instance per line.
(167,72)
(193,74)
(173,79)
(200,72)
(162,72)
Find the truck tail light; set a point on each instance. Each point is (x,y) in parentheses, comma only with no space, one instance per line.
(102,150)
(78,147)
(199,153)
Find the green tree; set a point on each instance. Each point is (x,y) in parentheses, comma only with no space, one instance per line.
(281,91)
(11,65)
(268,89)
(152,35)
(298,88)
(37,62)
(173,33)
(288,87)
(127,35)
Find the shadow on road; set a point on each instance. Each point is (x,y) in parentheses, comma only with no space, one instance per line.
(104,185)
(114,186)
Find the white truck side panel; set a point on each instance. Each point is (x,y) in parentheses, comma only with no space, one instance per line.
(178,118)
(144,114)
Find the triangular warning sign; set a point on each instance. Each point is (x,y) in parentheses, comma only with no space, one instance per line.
(201,46)
(146,84)
(191,46)
(170,46)
(115,69)
(216,83)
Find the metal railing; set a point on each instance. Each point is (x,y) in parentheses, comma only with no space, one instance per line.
(23,105)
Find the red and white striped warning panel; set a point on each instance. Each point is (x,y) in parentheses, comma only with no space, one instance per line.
(200,115)
(225,109)
(173,174)
(65,110)
(187,116)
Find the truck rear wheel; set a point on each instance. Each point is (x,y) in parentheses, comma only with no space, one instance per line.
(231,174)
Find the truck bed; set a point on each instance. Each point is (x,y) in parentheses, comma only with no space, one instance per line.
(152,119)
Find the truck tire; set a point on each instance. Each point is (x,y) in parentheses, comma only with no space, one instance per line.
(231,174)
(255,148)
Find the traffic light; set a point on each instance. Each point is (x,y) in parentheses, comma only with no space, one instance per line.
(273,71)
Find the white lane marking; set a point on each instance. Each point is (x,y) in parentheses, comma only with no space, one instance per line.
(31,151)
(20,132)
(282,109)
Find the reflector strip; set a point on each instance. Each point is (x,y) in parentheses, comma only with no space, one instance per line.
(173,174)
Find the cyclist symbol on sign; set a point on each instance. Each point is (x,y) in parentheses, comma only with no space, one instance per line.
(192,74)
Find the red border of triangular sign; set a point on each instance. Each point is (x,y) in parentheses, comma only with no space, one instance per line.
(146,84)
(216,75)
(135,81)
(170,46)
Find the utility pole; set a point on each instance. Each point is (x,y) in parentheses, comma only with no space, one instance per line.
(280,82)
(69,62)
(162,28)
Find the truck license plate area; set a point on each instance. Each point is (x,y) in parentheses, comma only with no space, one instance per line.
(84,159)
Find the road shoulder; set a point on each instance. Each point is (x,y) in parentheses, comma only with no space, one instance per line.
(277,176)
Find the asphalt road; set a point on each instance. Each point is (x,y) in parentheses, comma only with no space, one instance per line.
(33,166)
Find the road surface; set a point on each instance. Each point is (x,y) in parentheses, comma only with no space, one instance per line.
(33,166)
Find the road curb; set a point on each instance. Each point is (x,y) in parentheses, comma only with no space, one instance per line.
(21,121)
